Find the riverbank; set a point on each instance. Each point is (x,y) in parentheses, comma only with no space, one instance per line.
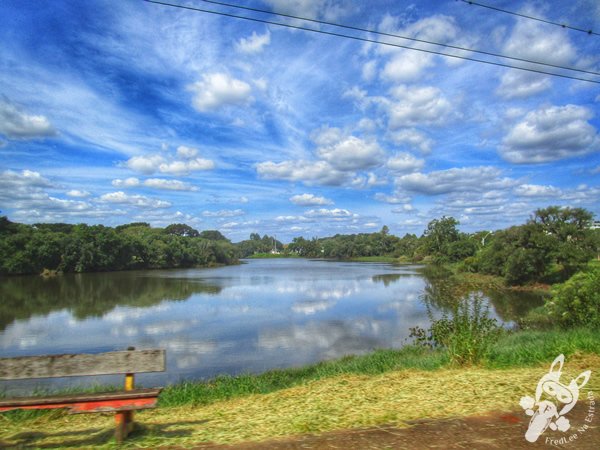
(351,393)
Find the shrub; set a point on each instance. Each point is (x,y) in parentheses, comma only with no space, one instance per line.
(467,334)
(577,301)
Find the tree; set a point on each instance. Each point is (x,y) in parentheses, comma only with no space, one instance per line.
(181,229)
(440,233)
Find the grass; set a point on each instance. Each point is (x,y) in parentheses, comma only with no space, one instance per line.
(341,401)
(227,387)
(375,259)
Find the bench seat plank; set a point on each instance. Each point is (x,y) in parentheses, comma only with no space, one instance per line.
(109,363)
(87,403)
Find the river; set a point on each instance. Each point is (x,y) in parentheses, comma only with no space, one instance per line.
(259,315)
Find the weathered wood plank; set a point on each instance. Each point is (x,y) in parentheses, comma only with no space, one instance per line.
(82,403)
(110,363)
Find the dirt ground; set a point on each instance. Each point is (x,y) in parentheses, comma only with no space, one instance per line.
(495,430)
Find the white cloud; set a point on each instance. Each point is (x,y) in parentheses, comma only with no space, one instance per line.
(255,43)
(149,164)
(23,193)
(16,124)
(186,152)
(536,190)
(139,201)
(411,105)
(318,172)
(78,194)
(409,65)
(184,167)
(145,164)
(536,41)
(330,213)
(169,185)
(405,162)
(551,133)
(217,90)
(520,84)
(309,200)
(311,9)
(224,213)
(352,153)
(467,179)
(127,183)
(396,198)
(413,138)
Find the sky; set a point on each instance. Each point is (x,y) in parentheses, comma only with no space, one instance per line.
(114,112)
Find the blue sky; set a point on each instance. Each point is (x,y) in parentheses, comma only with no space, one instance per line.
(119,111)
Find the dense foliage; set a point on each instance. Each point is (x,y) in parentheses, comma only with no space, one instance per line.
(577,301)
(83,248)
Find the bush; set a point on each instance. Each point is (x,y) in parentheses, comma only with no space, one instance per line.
(467,334)
(577,301)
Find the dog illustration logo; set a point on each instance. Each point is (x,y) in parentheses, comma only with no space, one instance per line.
(553,400)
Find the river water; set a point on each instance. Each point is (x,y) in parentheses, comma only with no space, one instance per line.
(259,315)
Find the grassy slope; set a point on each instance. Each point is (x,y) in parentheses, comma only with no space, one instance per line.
(387,386)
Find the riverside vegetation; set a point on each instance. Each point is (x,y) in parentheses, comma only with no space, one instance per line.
(555,247)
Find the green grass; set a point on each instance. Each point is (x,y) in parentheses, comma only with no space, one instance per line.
(528,348)
(379,259)
(226,387)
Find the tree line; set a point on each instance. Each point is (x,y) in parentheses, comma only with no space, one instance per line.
(31,249)
(550,247)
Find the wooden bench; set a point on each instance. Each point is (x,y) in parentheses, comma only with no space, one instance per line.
(122,403)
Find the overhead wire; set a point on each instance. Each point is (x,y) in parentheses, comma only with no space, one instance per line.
(526,16)
(382,33)
(373,41)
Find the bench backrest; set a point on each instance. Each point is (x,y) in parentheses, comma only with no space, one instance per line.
(110,363)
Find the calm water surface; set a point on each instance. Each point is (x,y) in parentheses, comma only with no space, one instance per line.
(253,317)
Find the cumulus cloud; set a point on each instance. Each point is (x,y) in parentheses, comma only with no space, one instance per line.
(127,183)
(409,65)
(466,179)
(551,133)
(536,190)
(536,41)
(413,138)
(309,200)
(410,106)
(184,167)
(149,164)
(139,201)
(255,43)
(169,185)
(352,153)
(17,124)
(145,164)
(24,193)
(78,194)
(404,163)
(186,152)
(308,172)
(217,90)
(520,84)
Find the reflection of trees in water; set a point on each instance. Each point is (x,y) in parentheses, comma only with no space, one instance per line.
(390,278)
(443,292)
(90,295)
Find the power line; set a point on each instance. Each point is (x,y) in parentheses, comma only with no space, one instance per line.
(373,41)
(381,33)
(562,25)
